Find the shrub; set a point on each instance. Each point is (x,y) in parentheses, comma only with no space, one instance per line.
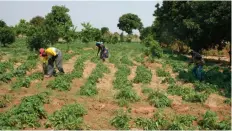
(159,100)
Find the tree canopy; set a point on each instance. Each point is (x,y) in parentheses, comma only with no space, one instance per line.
(129,22)
(198,24)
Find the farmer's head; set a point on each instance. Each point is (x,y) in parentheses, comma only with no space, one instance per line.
(42,52)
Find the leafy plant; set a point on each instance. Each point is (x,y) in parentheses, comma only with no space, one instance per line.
(4,100)
(121,120)
(69,117)
(182,122)
(169,80)
(162,73)
(127,94)
(143,75)
(27,114)
(159,99)
(209,121)
(146,90)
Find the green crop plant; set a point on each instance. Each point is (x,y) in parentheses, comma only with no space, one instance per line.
(139,59)
(182,122)
(228,101)
(121,120)
(169,80)
(90,88)
(159,99)
(162,73)
(27,114)
(143,75)
(209,121)
(61,83)
(188,94)
(125,60)
(127,94)
(79,66)
(146,90)
(69,117)
(4,100)
(146,124)
(5,65)
(121,80)
(6,77)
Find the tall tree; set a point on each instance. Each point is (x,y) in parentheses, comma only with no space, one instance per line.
(22,27)
(7,35)
(57,23)
(198,24)
(104,30)
(129,22)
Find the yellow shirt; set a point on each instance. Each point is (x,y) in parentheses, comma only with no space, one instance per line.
(51,51)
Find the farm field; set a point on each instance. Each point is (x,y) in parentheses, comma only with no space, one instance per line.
(128,91)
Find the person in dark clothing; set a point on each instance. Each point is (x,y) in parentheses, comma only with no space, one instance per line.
(103,51)
(199,62)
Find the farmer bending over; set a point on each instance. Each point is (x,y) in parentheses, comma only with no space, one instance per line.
(104,51)
(199,62)
(53,55)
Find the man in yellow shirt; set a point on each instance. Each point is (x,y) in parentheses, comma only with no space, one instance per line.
(49,56)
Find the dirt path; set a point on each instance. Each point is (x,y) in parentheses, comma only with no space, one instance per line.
(102,106)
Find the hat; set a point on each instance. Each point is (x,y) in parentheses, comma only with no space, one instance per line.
(42,52)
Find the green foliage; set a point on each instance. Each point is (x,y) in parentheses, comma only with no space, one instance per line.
(125,60)
(121,37)
(61,83)
(143,75)
(27,114)
(128,22)
(37,21)
(146,90)
(22,27)
(90,88)
(79,66)
(69,117)
(169,80)
(4,100)
(182,122)
(139,59)
(121,80)
(127,94)
(121,120)
(146,124)
(89,33)
(162,73)
(104,30)
(158,99)
(209,121)
(7,35)
(36,38)
(187,22)
(145,32)
(6,77)
(228,101)
(152,47)
(57,23)
(4,66)
(2,23)
(188,94)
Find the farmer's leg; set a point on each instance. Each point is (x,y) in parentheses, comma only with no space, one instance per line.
(45,68)
(59,62)
(199,72)
(195,70)
(50,66)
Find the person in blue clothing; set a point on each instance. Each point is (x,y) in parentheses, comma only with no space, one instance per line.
(103,51)
(199,62)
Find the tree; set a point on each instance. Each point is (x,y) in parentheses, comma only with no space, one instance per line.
(145,32)
(128,22)
(201,25)
(7,35)
(36,38)
(22,27)
(2,23)
(57,23)
(89,33)
(121,37)
(37,21)
(152,47)
(104,30)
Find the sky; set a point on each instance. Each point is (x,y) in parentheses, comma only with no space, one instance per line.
(98,13)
